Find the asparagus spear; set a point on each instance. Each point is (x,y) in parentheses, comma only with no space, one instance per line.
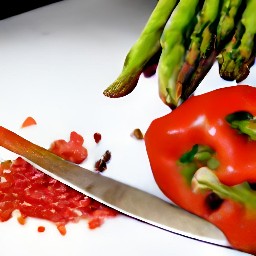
(226,63)
(245,68)
(238,55)
(200,56)
(142,51)
(229,13)
(203,68)
(173,39)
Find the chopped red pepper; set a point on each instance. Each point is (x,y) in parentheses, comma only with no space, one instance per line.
(41,229)
(206,165)
(62,229)
(73,150)
(21,220)
(95,223)
(28,122)
(97,137)
(35,194)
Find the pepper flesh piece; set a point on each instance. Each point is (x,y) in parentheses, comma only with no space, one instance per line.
(201,120)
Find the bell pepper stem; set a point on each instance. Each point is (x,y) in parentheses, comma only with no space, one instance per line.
(243,122)
(206,180)
(247,127)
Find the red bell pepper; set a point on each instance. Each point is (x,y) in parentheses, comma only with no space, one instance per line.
(203,158)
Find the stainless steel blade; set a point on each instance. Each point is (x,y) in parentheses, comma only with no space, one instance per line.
(136,203)
(122,197)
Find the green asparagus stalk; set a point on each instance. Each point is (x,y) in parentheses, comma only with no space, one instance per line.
(200,55)
(198,75)
(236,58)
(173,40)
(142,51)
(227,58)
(228,19)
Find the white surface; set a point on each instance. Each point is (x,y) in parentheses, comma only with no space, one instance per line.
(55,62)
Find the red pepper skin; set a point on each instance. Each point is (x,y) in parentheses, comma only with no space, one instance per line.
(201,120)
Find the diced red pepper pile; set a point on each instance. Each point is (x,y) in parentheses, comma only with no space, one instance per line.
(35,194)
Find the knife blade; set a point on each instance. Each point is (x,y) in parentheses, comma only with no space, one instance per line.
(122,197)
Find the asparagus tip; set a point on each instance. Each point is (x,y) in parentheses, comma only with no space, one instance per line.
(122,86)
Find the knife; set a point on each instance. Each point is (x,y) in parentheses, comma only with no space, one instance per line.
(124,198)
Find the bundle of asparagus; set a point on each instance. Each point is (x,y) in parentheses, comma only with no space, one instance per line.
(185,38)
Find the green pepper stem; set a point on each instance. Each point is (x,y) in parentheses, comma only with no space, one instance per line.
(243,122)
(246,127)
(206,180)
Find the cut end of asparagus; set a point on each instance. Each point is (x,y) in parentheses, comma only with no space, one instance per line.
(230,69)
(245,69)
(122,86)
(170,97)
